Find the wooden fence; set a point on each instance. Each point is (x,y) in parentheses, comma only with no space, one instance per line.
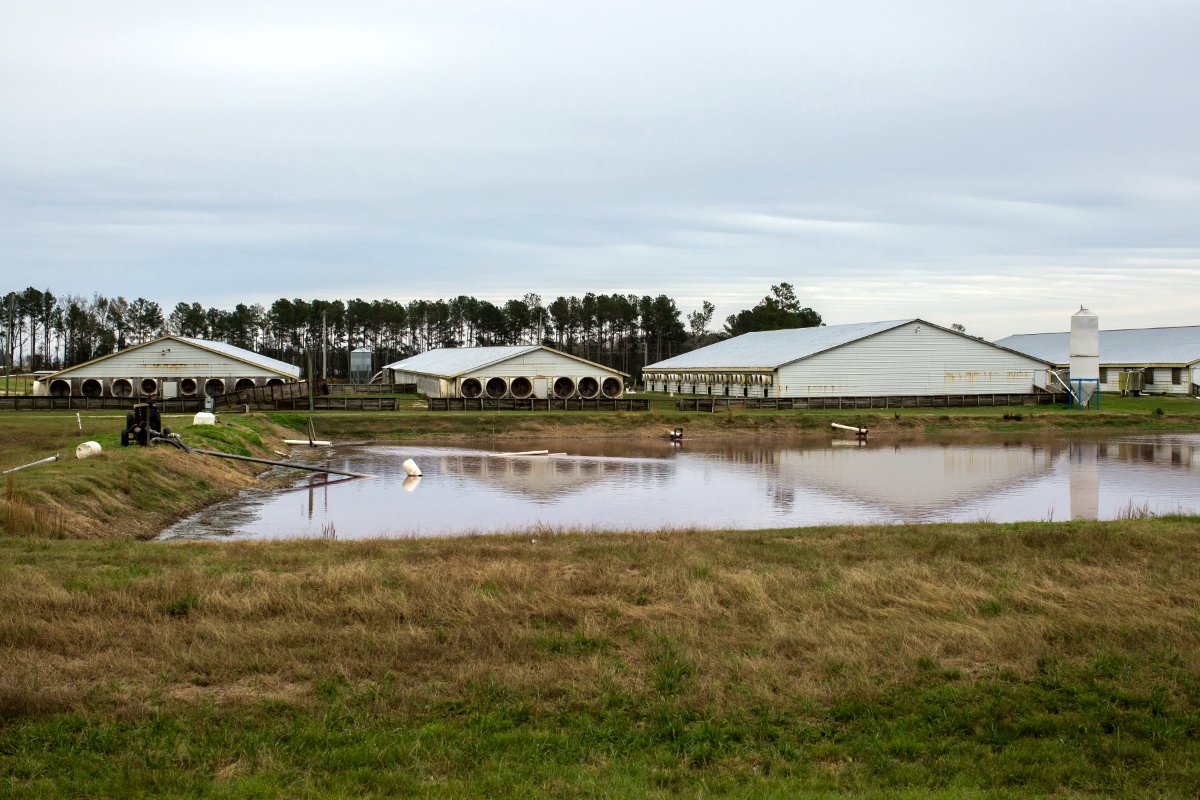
(325,404)
(922,401)
(188,406)
(537,404)
(342,389)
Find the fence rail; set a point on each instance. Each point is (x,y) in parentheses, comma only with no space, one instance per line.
(262,395)
(99,403)
(326,404)
(537,404)
(923,401)
(342,389)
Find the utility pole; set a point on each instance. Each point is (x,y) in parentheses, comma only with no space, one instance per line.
(8,342)
(311,381)
(324,349)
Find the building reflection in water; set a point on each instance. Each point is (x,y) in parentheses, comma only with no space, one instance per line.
(722,485)
(1084,466)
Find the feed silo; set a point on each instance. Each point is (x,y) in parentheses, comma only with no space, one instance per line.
(1085,355)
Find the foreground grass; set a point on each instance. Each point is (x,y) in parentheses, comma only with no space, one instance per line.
(929,661)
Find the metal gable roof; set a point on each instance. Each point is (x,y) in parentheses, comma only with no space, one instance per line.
(450,362)
(241,354)
(1179,345)
(773,349)
(228,350)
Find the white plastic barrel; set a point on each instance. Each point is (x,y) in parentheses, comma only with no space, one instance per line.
(87,450)
(204,418)
(411,468)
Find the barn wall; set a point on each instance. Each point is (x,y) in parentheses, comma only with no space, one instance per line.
(180,360)
(427,385)
(1162,378)
(542,364)
(914,359)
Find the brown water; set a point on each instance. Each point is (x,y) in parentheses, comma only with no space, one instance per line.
(650,485)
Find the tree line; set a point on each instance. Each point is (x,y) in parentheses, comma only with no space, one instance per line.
(624,331)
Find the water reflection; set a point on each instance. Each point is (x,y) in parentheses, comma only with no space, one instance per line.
(1084,460)
(614,485)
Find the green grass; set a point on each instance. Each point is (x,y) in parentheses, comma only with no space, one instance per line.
(16,385)
(1063,732)
(949,661)
(1118,414)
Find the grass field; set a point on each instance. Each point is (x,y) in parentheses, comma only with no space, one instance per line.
(953,661)
(16,385)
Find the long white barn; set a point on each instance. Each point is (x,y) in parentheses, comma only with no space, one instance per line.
(909,357)
(518,372)
(166,368)
(1169,358)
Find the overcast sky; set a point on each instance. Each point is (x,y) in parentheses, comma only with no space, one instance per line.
(993,164)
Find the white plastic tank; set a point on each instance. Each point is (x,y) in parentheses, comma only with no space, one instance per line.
(1085,350)
(204,418)
(87,449)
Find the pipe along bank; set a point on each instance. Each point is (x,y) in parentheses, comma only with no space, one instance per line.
(143,425)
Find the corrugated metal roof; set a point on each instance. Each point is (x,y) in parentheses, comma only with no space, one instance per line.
(773,349)
(450,362)
(1129,346)
(242,354)
(221,348)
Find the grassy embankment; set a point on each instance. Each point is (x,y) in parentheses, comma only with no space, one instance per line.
(982,660)
(122,493)
(1147,414)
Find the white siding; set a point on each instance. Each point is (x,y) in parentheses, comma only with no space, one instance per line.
(169,359)
(542,367)
(1162,379)
(914,359)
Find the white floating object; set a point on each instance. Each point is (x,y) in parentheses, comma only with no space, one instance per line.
(307,443)
(411,482)
(87,450)
(412,469)
(523,453)
(204,418)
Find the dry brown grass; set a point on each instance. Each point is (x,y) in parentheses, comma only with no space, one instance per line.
(740,619)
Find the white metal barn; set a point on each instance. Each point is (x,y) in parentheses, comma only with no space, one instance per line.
(167,368)
(518,372)
(909,357)
(1169,358)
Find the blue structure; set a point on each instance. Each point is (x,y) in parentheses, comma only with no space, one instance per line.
(1091,393)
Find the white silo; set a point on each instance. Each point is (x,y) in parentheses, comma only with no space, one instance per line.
(1085,354)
